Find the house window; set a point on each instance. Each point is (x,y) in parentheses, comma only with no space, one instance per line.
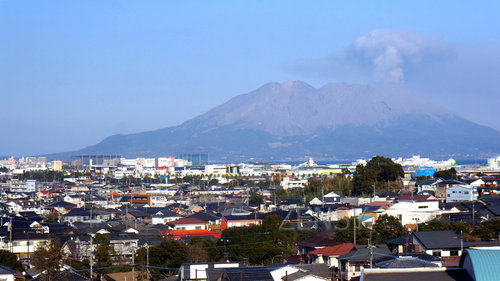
(466,192)
(453,253)
(436,253)
(449,195)
(17,244)
(357,268)
(198,227)
(423,207)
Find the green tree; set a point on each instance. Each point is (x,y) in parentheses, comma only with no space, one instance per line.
(363,180)
(103,251)
(260,244)
(385,169)
(304,234)
(169,254)
(214,253)
(386,227)
(196,253)
(450,173)
(345,232)
(488,229)
(9,259)
(342,184)
(255,200)
(378,170)
(48,259)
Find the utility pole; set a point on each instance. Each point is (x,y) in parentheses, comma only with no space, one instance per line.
(461,241)
(354,226)
(371,255)
(370,246)
(147,262)
(473,214)
(91,257)
(133,265)
(10,230)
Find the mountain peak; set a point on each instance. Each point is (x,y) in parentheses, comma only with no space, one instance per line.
(296,108)
(293,119)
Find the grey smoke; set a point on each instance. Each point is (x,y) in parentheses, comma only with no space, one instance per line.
(389,51)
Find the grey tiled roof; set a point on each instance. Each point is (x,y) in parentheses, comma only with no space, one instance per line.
(445,239)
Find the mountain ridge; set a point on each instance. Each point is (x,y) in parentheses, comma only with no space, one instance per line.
(294,120)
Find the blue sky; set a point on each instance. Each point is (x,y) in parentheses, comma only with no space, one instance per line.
(75,72)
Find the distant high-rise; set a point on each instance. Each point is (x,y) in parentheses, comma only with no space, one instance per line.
(96,159)
(195,159)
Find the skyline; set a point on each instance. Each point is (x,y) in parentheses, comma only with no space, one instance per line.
(73,74)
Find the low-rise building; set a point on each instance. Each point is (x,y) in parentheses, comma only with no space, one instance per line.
(461,193)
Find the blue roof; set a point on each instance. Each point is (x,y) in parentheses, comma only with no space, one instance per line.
(484,263)
(424,171)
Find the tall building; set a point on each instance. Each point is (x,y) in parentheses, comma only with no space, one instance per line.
(195,159)
(57,165)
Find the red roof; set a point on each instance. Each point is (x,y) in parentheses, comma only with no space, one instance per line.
(383,204)
(337,250)
(44,192)
(418,198)
(193,233)
(114,194)
(187,221)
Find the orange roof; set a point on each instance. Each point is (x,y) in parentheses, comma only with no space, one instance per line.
(193,233)
(337,250)
(114,194)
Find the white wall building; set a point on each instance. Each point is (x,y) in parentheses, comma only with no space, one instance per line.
(461,193)
(288,183)
(414,212)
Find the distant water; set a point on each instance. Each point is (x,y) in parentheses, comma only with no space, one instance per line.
(471,161)
(321,163)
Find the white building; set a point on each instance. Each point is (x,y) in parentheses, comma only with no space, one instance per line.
(461,193)
(288,183)
(413,212)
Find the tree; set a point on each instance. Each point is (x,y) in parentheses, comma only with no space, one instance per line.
(169,254)
(48,259)
(103,251)
(451,173)
(385,228)
(196,253)
(255,200)
(305,234)
(488,229)
(260,244)
(345,232)
(342,183)
(378,169)
(9,259)
(363,180)
(210,246)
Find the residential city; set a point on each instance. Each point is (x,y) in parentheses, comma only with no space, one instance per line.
(249,140)
(184,218)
